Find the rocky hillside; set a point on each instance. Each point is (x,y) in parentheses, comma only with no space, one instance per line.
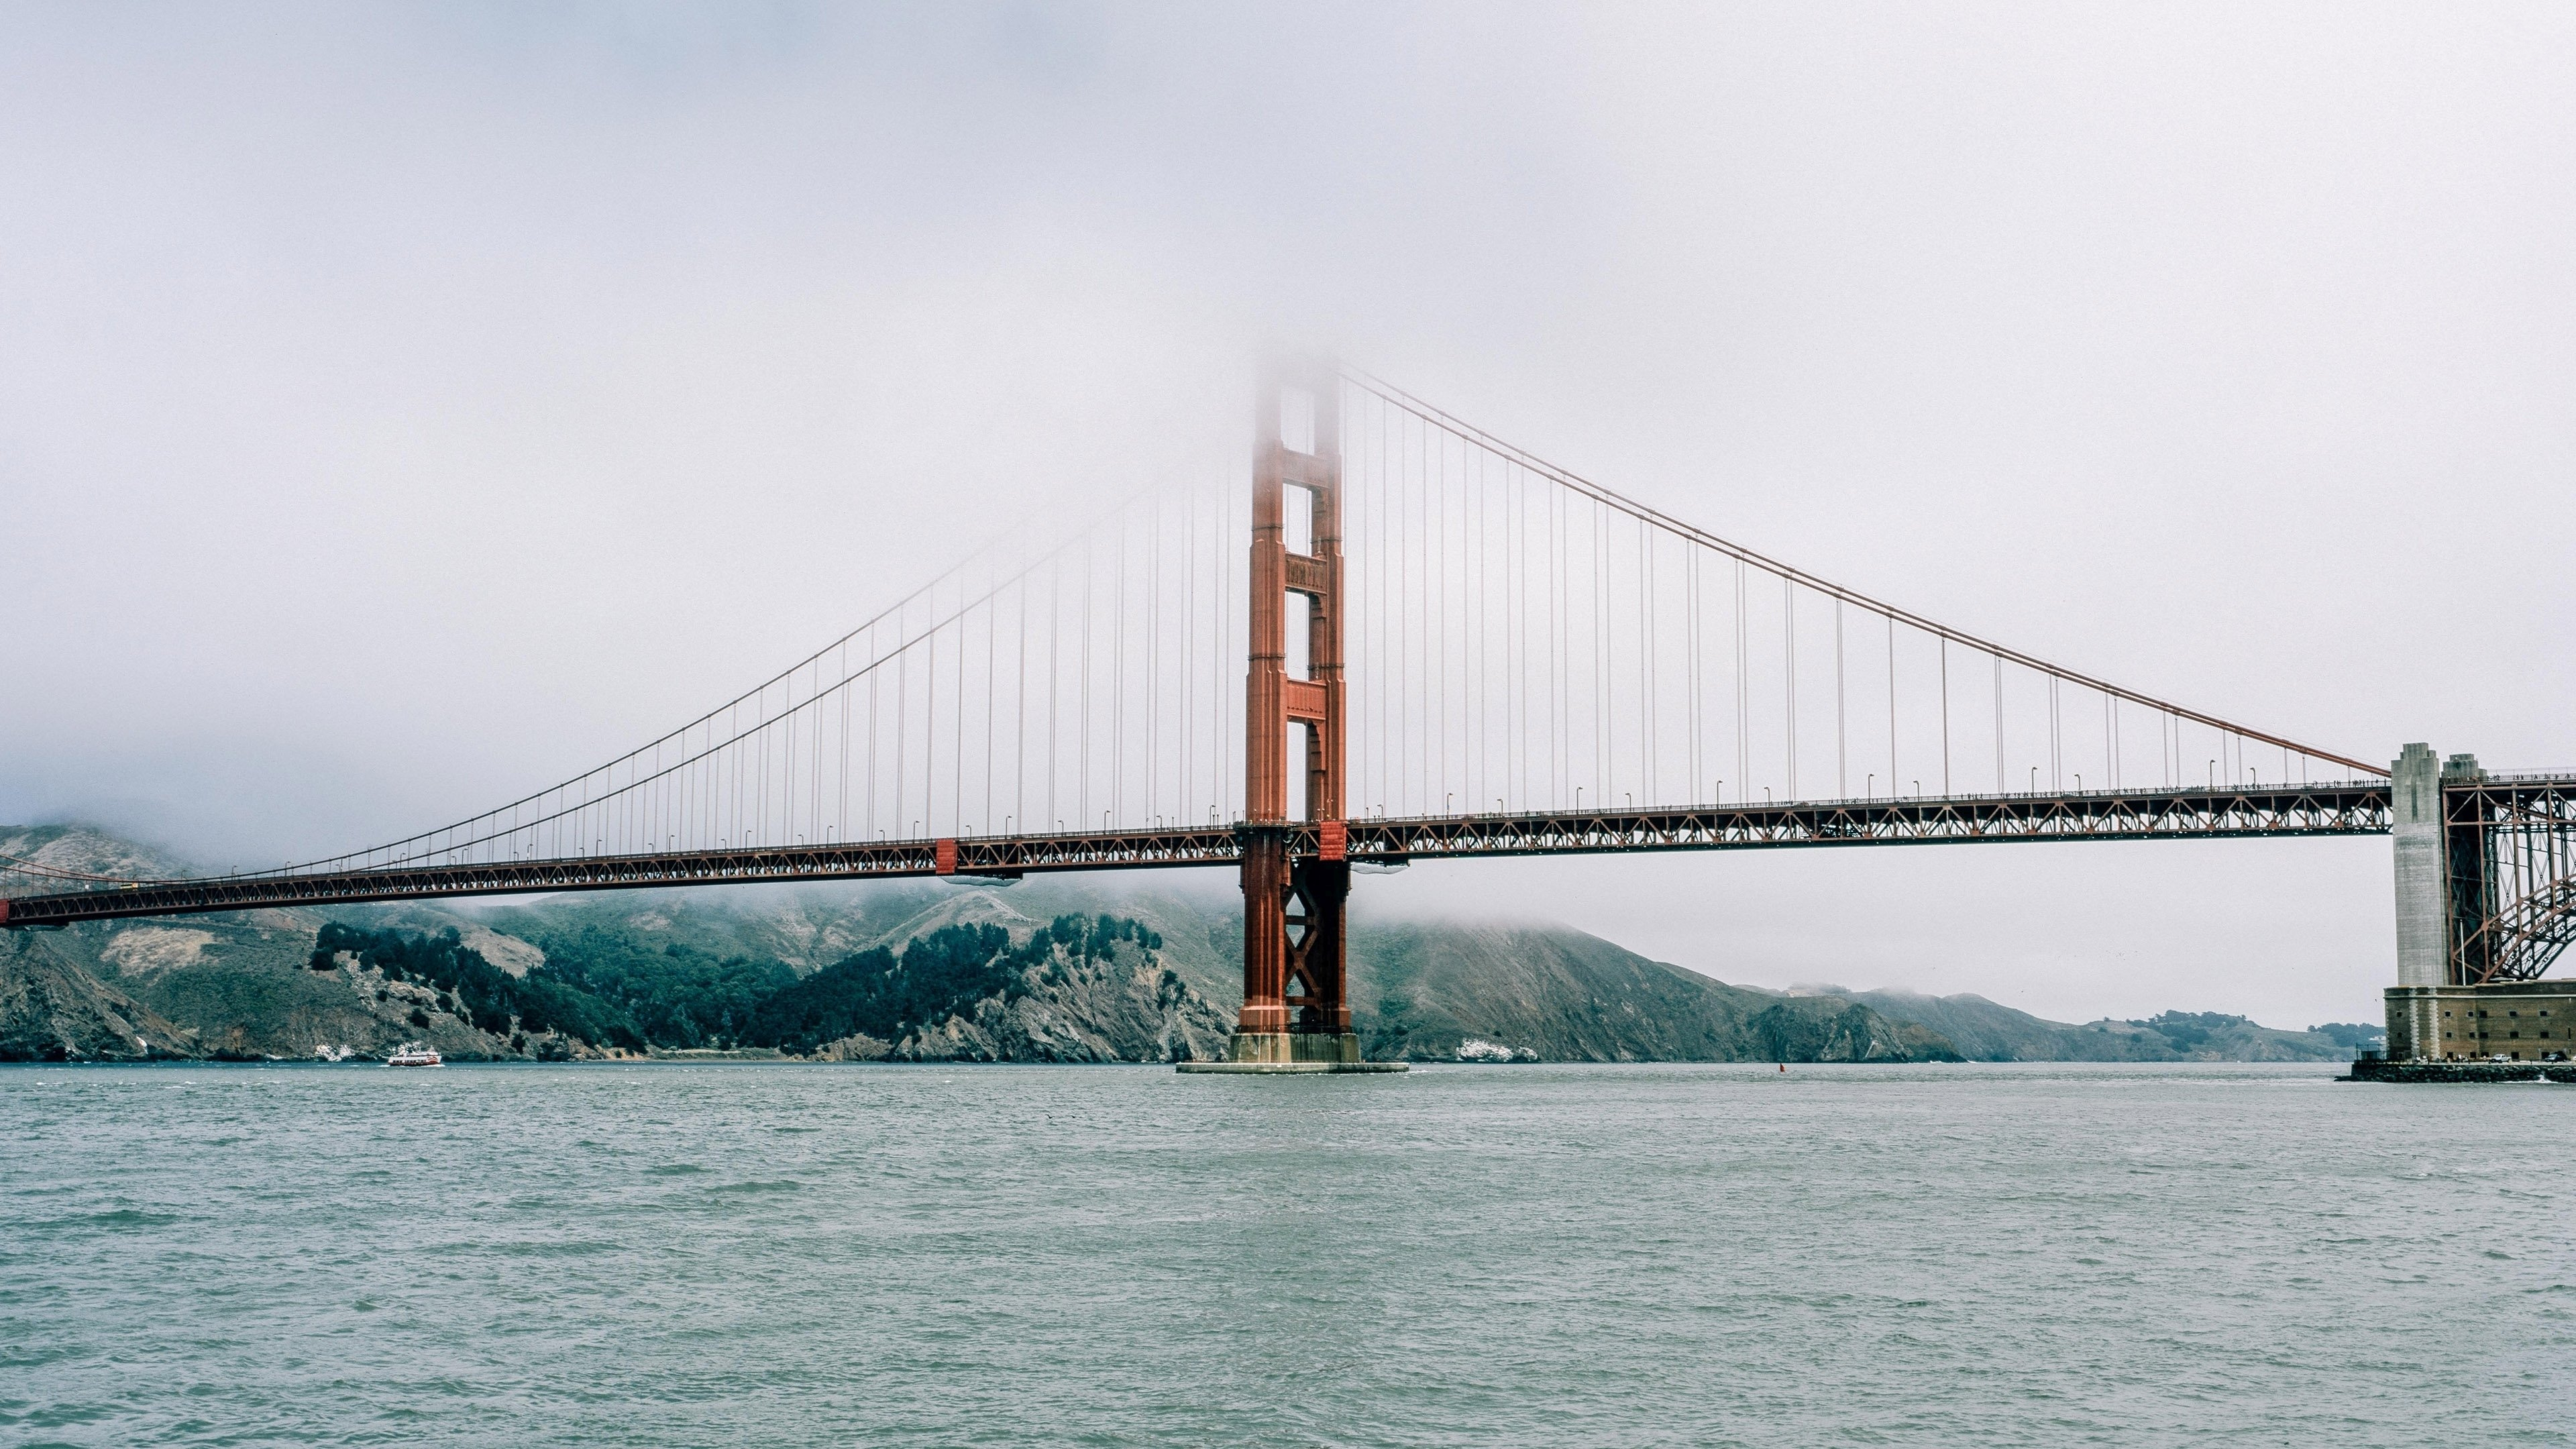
(882,971)
(218,986)
(52,1008)
(1419,990)
(573,977)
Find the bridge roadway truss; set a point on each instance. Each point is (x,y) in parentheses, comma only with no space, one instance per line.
(2512,865)
(2346,808)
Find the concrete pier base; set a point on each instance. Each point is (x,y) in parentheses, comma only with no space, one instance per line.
(1292,1052)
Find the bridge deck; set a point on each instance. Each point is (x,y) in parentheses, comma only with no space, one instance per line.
(2343,808)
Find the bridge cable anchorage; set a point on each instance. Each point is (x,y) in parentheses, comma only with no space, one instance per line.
(1526,661)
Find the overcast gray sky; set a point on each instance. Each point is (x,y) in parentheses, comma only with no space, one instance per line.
(404,406)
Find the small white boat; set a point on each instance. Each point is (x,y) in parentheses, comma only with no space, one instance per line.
(415,1054)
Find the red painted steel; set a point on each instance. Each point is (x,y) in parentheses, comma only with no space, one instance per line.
(1306,702)
(943,856)
(1312,955)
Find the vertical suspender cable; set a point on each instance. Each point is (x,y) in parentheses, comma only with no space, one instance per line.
(1891,706)
(1153,657)
(1789,627)
(1439,538)
(1690,590)
(1055,635)
(1604,768)
(1479,544)
(1842,756)
(1743,693)
(1646,658)
(1118,686)
(1189,657)
(902,732)
(1082,769)
(1020,718)
(1517,568)
(992,627)
(1559,642)
(841,816)
(1387,674)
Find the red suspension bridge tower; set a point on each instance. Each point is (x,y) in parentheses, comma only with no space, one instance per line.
(1296,1009)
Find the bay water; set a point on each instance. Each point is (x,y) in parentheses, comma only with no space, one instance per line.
(1704,1255)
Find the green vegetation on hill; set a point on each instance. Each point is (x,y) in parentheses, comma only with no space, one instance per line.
(2190,1030)
(940,975)
(492,999)
(1989,1031)
(610,990)
(662,993)
(1420,990)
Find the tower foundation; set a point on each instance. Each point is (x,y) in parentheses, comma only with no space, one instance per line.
(1287,1053)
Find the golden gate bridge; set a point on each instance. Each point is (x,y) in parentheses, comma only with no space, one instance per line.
(1453,648)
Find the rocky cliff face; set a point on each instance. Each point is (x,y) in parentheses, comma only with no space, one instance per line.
(223,986)
(51,1010)
(1128,1007)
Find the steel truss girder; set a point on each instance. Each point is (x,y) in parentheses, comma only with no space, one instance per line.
(997,856)
(2525,911)
(2346,809)
(2356,809)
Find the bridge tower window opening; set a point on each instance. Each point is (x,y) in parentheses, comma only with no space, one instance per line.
(1297,519)
(1297,636)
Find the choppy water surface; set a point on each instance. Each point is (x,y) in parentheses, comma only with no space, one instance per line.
(839,1255)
